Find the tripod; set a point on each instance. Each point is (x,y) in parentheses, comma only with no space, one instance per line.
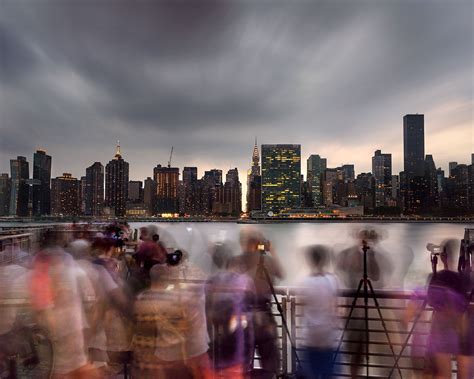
(263,273)
(366,285)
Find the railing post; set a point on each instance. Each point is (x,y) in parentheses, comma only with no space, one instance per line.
(293,332)
(284,338)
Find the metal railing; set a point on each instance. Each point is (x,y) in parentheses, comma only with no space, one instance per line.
(381,359)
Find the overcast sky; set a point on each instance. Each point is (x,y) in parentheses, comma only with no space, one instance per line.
(207,77)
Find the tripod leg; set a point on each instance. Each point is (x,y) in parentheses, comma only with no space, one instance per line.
(354,301)
(383,325)
(410,333)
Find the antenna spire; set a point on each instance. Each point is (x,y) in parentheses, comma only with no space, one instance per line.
(118,154)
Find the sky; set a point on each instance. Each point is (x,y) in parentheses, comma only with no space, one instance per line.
(208,77)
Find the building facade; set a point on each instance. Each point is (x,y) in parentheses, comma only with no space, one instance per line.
(382,172)
(167,180)
(65,196)
(414,162)
(314,171)
(281,176)
(94,193)
(41,193)
(116,184)
(19,194)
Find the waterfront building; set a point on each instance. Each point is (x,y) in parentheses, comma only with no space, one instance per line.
(452,166)
(348,172)
(233,193)
(149,195)
(431,200)
(211,191)
(281,176)
(254,183)
(19,194)
(135,191)
(414,161)
(314,169)
(65,193)
(116,184)
(365,190)
(167,179)
(189,203)
(41,192)
(94,192)
(382,172)
(5,190)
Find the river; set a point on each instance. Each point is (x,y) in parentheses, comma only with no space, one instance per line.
(404,244)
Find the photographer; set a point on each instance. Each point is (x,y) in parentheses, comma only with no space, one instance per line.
(448,335)
(253,246)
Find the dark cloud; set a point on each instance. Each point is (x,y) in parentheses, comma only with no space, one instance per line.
(207,76)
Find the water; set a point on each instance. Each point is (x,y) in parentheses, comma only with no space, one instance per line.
(403,243)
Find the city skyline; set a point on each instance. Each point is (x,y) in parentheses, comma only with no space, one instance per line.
(333,76)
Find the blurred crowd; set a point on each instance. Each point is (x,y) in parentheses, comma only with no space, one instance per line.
(126,303)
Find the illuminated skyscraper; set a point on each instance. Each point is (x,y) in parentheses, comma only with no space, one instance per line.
(19,194)
(254,183)
(281,176)
(314,169)
(414,161)
(382,172)
(5,190)
(116,184)
(167,179)
(189,200)
(65,196)
(42,191)
(94,193)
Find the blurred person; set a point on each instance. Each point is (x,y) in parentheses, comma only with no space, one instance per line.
(350,268)
(265,327)
(230,299)
(319,293)
(170,339)
(116,310)
(56,289)
(449,334)
(107,294)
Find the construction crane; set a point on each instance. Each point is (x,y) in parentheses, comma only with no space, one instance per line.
(171,155)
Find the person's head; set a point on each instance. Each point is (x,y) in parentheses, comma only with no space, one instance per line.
(449,254)
(79,248)
(103,246)
(221,254)
(250,238)
(147,232)
(318,257)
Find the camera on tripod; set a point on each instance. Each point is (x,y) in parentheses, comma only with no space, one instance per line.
(435,249)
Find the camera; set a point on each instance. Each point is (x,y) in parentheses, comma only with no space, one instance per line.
(262,246)
(174,258)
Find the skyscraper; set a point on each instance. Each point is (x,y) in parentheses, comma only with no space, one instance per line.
(94,194)
(167,179)
(382,172)
(5,190)
(19,195)
(414,161)
(135,191)
(65,199)
(42,191)
(116,184)
(314,169)
(189,201)
(233,192)
(281,175)
(149,195)
(254,182)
